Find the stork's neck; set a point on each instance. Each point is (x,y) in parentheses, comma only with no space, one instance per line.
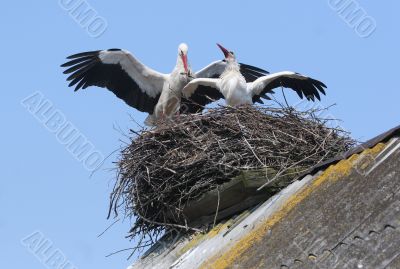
(178,77)
(179,63)
(179,67)
(232,66)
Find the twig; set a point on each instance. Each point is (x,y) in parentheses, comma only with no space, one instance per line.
(112,224)
(216,211)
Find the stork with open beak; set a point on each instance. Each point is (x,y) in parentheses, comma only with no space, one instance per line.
(142,87)
(232,86)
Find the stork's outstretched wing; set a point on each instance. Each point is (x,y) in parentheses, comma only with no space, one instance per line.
(198,93)
(118,71)
(205,95)
(304,86)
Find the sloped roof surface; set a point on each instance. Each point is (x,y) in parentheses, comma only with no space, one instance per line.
(343,214)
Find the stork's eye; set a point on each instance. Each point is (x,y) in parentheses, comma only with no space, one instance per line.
(231,52)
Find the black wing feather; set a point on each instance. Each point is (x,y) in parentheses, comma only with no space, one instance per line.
(83,54)
(251,73)
(86,70)
(308,88)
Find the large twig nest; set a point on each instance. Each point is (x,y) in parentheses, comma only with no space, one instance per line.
(163,170)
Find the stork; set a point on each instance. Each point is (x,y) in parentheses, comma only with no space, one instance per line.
(141,87)
(233,87)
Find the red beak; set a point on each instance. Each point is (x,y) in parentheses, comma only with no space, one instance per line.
(224,50)
(185,62)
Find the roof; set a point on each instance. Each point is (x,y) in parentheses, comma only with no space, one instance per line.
(344,213)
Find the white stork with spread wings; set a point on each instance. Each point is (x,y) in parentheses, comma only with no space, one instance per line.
(141,87)
(233,87)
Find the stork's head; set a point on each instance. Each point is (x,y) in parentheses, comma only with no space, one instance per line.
(229,55)
(182,51)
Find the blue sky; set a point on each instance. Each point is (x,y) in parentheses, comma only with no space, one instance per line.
(44,188)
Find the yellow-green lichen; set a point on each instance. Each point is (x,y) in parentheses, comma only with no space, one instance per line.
(239,250)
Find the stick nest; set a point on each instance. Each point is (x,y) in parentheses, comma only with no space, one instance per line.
(160,171)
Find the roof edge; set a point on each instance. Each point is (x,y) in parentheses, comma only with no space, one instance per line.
(384,137)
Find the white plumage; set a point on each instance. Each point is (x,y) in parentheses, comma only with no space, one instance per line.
(236,91)
(142,87)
